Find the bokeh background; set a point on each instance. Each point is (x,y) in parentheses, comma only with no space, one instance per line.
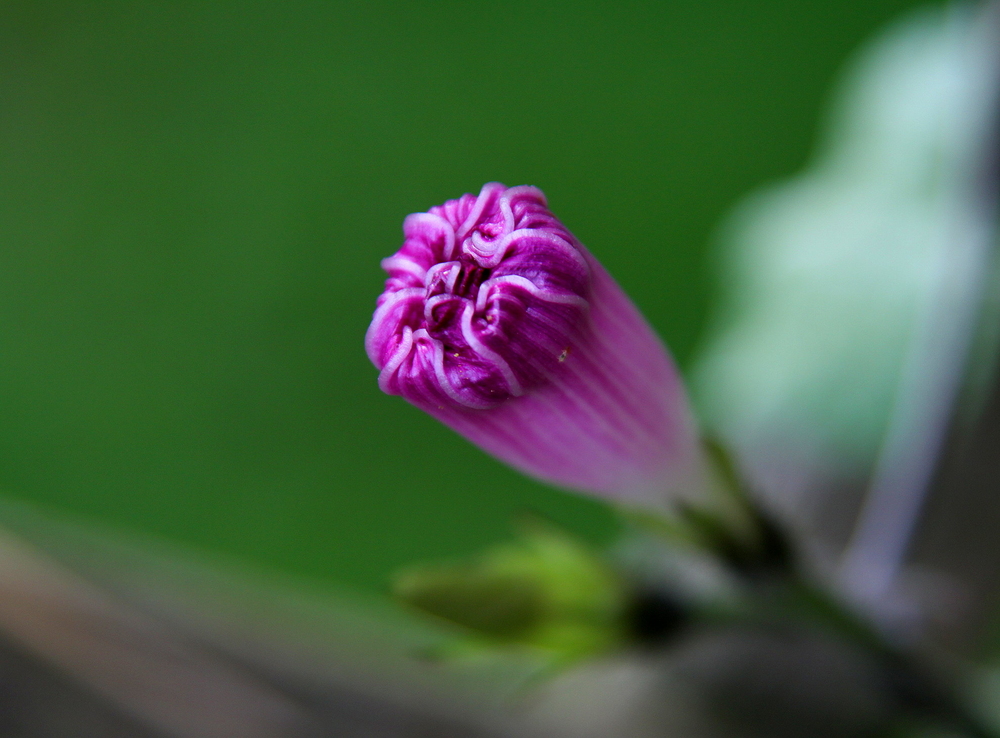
(194,198)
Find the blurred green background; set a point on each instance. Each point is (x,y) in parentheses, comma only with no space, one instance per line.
(194,198)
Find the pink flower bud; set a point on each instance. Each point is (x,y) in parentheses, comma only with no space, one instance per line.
(500,324)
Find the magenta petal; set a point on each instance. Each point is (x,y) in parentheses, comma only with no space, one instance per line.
(499,323)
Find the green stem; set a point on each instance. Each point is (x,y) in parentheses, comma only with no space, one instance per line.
(920,693)
(734,528)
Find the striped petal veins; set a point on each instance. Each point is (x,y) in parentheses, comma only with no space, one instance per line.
(499,323)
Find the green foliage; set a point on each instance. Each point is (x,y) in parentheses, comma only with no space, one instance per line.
(544,590)
(195,197)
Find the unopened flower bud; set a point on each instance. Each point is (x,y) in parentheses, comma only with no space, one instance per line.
(499,323)
(544,590)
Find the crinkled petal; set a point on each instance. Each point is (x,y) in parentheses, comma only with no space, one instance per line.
(499,323)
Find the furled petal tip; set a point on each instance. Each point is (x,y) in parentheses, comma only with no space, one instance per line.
(499,323)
